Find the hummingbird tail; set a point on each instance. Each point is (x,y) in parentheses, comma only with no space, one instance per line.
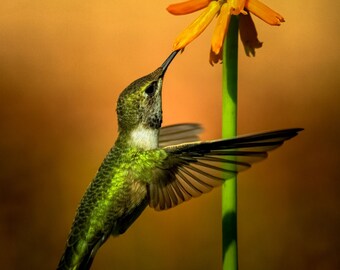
(79,259)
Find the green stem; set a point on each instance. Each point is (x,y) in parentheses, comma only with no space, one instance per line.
(229,129)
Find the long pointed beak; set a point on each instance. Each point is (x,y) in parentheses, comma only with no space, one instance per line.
(167,62)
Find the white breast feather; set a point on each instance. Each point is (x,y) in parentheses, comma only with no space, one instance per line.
(145,138)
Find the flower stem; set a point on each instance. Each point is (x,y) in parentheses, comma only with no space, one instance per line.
(229,129)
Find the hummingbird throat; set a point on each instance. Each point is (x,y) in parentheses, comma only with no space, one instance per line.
(144,137)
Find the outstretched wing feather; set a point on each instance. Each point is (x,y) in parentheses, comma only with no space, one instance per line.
(195,168)
(179,133)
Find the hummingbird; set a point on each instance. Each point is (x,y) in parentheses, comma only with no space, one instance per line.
(154,166)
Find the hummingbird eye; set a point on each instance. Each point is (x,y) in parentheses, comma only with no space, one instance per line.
(151,89)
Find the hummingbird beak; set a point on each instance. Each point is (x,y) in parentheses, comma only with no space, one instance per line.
(167,62)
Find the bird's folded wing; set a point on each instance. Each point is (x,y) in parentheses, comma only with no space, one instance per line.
(195,168)
(179,133)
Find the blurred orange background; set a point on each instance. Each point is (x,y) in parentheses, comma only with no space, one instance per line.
(62,67)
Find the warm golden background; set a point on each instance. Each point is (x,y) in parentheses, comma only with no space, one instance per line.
(62,67)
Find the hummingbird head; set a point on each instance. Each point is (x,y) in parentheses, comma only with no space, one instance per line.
(139,106)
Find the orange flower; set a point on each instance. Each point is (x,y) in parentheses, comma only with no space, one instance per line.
(223,9)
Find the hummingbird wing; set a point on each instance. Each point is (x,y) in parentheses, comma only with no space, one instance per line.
(192,169)
(179,133)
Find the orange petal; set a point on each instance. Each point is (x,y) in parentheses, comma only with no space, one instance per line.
(187,7)
(215,58)
(237,6)
(197,26)
(221,28)
(264,12)
(248,35)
